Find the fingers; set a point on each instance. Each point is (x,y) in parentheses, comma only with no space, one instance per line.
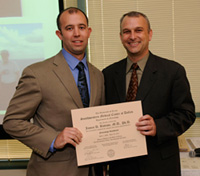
(68,136)
(74,134)
(146,125)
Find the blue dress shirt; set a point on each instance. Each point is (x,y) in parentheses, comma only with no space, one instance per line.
(73,62)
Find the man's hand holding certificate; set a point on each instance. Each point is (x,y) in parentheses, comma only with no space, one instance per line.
(109,132)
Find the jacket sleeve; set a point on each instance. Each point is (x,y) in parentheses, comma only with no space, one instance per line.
(182,114)
(22,108)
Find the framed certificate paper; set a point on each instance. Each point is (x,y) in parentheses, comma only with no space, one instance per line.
(109,132)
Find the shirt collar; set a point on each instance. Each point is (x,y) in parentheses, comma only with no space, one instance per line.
(141,63)
(72,61)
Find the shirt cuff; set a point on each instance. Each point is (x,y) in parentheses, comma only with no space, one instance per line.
(52,149)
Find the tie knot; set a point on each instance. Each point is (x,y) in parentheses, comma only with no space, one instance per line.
(135,66)
(80,66)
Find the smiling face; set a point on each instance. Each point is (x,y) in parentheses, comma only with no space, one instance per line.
(74,32)
(135,36)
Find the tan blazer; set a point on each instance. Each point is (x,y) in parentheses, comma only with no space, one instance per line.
(47,92)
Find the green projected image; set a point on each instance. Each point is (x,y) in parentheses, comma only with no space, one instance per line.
(27,35)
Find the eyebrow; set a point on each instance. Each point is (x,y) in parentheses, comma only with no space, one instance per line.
(139,27)
(81,24)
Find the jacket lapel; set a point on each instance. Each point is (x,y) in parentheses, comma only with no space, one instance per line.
(64,73)
(120,80)
(148,78)
(93,85)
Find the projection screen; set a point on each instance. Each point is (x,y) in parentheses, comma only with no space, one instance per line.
(27,35)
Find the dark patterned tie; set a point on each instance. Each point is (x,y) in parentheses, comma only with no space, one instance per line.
(82,85)
(133,85)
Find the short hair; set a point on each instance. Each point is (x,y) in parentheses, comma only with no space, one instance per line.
(71,10)
(136,14)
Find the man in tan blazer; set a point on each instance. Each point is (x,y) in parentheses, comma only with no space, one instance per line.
(47,92)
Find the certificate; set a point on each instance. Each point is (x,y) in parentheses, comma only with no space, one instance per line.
(109,132)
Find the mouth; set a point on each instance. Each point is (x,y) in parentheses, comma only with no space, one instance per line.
(77,41)
(134,44)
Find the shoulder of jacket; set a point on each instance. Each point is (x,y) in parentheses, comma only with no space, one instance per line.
(116,65)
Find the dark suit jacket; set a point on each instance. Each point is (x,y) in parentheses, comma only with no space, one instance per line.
(47,92)
(165,94)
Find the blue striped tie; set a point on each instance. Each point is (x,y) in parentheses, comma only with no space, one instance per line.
(82,85)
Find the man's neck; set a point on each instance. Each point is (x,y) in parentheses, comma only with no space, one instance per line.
(135,58)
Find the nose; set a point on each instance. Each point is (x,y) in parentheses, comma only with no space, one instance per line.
(132,35)
(76,31)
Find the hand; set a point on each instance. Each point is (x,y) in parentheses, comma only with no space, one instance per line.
(146,125)
(68,136)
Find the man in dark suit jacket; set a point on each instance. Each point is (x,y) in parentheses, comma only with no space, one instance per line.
(164,91)
(46,93)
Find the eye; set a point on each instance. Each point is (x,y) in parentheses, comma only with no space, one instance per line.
(69,28)
(82,27)
(139,30)
(126,32)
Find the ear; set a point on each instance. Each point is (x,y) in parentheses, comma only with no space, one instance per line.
(150,34)
(89,31)
(120,35)
(59,34)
